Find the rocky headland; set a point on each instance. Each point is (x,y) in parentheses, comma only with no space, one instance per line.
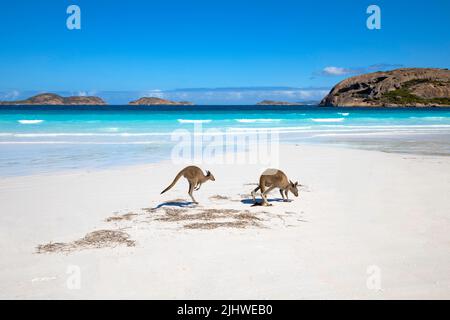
(407,87)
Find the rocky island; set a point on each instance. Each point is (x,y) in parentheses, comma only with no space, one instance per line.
(150,101)
(407,87)
(54,99)
(278,103)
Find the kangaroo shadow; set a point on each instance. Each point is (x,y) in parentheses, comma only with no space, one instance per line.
(259,202)
(179,204)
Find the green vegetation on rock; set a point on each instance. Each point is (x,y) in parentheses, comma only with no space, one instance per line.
(403,95)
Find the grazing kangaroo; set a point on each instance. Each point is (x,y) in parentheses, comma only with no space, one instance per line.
(195,177)
(274,178)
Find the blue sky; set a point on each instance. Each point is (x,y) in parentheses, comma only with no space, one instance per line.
(256,49)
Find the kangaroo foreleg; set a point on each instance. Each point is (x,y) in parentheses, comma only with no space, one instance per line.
(286,192)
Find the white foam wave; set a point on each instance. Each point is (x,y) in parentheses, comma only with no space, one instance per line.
(257,120)
(88,134)
(431,118)
(390,126)
(194,121)
(269,128)
(377,133)
(328,120)
(232,130)
(30,121)
(345,114)
(111,129)
(81,142)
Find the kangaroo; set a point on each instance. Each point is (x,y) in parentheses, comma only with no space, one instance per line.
(274,178)
(195,177)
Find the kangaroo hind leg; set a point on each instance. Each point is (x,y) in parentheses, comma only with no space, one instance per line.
(254,193)
(191,189)
(264,196)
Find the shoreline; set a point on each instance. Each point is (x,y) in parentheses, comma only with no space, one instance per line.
(384,210)
(142,164)
(34,140)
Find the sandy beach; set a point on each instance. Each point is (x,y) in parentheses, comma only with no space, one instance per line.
(366,225)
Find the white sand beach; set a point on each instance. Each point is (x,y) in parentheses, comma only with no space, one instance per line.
(367,225)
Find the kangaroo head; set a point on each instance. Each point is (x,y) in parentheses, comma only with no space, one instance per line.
(293,187)
(210,175)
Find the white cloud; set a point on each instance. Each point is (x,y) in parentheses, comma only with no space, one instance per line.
(83,93)
(155,93)
(246,95)
(11,95)
(335,71)
(339,71)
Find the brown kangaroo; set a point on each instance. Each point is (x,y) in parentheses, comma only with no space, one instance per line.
(274,178)
(195,177)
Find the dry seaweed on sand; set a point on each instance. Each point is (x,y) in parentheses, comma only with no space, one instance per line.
(52,247)
(105,238)
(215,225)
(173,215)
(246,215)
(95,239)
(219,197)
(124,217)
(211,218)
(220,212)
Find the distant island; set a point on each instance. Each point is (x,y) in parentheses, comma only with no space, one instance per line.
(412,87)
(278,103)
(405,87)
(54,99)
(150,101)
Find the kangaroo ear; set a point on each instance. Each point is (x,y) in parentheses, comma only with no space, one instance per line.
(296,183)
(208,173)
(291,183)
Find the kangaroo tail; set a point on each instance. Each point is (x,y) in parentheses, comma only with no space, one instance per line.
(256,189)
(173,182)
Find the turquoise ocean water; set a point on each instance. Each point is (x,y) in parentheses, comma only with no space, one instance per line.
(42,139)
